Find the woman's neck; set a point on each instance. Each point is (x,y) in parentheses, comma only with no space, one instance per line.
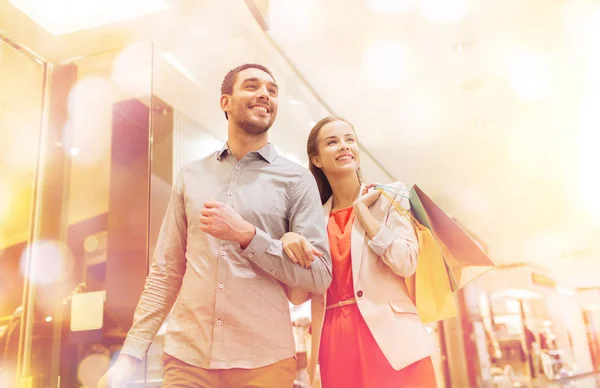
(345,190)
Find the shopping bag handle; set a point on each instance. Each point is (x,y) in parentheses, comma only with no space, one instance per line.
(399,208)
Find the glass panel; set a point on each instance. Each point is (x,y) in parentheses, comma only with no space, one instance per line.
(109,122)
(22,80)
(89,260)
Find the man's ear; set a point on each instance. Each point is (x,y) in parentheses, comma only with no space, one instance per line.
(225,102)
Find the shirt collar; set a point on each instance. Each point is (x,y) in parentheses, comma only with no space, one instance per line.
(268,152)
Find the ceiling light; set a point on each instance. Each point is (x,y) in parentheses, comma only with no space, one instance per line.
(294,102)
(74,151)
(48,319)
(60,17)
(390,6)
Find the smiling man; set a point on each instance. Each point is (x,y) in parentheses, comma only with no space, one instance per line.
(219,259)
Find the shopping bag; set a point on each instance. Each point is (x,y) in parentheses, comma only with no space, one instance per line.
(429,287)
(463,257)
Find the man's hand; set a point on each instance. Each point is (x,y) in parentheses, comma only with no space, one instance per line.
(222,222)
(119,374)
(299,249)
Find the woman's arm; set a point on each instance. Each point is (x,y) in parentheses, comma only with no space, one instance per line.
(395,241)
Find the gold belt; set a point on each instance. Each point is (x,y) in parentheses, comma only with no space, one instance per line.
(341,303)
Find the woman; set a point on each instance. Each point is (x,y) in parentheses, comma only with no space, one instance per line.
(366,330)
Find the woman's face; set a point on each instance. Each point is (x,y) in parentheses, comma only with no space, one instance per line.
(337,149)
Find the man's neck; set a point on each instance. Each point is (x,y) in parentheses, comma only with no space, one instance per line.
(240,143)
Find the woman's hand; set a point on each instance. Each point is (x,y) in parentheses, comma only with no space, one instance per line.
(369,195)
(299,249)
(369,187)
(362,212)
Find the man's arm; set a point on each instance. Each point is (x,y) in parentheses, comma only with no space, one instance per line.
(164,279)
(306,218)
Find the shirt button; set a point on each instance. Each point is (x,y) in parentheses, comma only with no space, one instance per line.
(218,322)
(359,293)
(251,255)
(237,168)
(230,193)
(221,285)
(223,253)
(272,272)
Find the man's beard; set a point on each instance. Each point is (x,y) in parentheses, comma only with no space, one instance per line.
(254,129)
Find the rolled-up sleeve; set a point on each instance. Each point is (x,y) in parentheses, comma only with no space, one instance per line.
(305,218)
(396,242)
(382,240)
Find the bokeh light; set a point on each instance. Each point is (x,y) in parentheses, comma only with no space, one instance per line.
(444,11)
(391,6)
(90,111)
(386,64)
(528,75)
(132,70)
(92,368)
(52,261)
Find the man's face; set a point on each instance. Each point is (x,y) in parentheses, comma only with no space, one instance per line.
(253,103)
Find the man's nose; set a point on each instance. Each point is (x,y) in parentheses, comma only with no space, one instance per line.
(263,92)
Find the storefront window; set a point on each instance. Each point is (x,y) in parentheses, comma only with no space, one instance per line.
(22,80)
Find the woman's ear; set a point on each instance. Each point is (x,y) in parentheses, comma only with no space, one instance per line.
(316,162)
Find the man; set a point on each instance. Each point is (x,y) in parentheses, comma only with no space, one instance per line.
(219,255)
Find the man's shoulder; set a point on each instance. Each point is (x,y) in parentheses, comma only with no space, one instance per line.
(198,165)
(291,166)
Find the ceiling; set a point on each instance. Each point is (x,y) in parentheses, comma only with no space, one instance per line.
(482,105)
(487,113)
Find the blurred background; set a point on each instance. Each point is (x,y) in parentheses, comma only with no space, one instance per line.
(490,106)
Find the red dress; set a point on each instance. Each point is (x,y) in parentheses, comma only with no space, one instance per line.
(349,356)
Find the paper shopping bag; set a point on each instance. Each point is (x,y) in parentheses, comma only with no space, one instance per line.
(463,257)
(429,287)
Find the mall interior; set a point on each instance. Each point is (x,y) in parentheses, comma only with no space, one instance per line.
(489,106)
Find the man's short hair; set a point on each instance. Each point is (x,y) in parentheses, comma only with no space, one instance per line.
(231,76)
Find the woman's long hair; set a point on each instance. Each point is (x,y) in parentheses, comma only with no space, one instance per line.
(312,149)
